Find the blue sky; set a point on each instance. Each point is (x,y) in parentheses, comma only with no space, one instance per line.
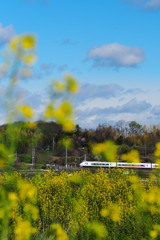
(112,47)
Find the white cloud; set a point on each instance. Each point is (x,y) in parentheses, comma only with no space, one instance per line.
(151,5)
(116,55)
(6,33)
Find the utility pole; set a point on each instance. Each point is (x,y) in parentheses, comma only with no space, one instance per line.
(33,156)
(66,156)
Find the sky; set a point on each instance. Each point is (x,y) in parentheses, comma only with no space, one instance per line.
(111,47)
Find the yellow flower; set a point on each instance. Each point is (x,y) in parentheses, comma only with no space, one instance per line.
(29,59)
(66,108)
(72,85)
(97,230)
(59,87)
(99,148)
(22,42)
(132,156)
(68,125)
(157,151)
(12,196)
(27,191)
(28,208)
(59,115)
(26,111)
(27,41)
(49,112)
(14,43)
(31,125)
(154,234)
(112,211)
(60,233)
(24,230)
(108,150)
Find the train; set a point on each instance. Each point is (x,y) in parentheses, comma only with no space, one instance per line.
(95,164)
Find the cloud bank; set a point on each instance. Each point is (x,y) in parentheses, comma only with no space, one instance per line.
(111,103)
(116,55)
(100,104)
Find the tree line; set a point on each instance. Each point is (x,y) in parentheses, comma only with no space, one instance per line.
(49,137)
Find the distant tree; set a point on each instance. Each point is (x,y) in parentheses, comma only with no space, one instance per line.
(135,128)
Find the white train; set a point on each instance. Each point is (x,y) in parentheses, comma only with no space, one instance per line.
(118,164)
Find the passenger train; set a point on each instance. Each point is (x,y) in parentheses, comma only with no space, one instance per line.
(118,165)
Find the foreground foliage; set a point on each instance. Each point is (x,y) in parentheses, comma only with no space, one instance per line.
(82,205)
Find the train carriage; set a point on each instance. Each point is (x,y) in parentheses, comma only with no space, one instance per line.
(94,164)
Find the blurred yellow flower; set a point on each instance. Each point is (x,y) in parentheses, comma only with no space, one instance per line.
(59,87)
(107,149)
(157,150)
(97,230)
(68,125)
(49,112)
(22,42)
(154,233)
(28,41)
(99,148)
(72,85)
(13,196)
(24,230)
(31,209)
(26,111)
(59,115)
(112,211)
(31,125)
(14,43)
(132,156)
(27,190)
(60,233)
(66,108)
(29,59)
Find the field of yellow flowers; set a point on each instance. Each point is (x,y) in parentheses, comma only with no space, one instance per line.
(81,205)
